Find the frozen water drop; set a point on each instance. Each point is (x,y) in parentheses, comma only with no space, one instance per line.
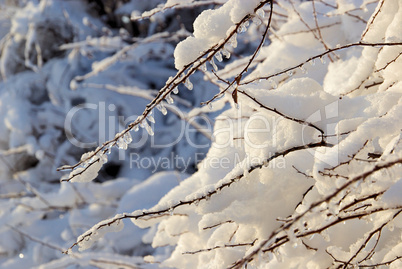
(303,69)
(151,118)
(188,84)
(256,20)
(218,56)
(127,138)
(149,130)
(121,144)
(243,27)
(204,67)
(233,40)
(176,90)
(103,158)
(226,53)
(322,60)
(210,106)
(261,13)
(290,73)
(312,62)
(169,99)
(162,109)
(214,66)
(73,84)
(136,128)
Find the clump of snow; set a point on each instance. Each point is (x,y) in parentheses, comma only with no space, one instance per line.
(210,27)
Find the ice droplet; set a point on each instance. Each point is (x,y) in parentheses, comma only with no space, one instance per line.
(162,109)
(243,27)
(103,157)
(210,106)
(233,40)
(322,60)
(273,83)
(108,149)
(127,138)
(121,144)
(226,53)
(169,99)
(188,84)
(303,69)
(136,128)
(290,73)
(261,13)
(73,84)
(256,20)
(151,118)
(218,56)
(176,90)
(312,62)
(204,67)
(212,62)
(149,130)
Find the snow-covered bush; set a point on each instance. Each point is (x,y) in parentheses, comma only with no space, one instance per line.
(303,163)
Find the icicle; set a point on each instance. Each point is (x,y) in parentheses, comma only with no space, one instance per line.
(273,83)
(108,149)
(149,129)
(176,90)
(170,79)
(204,67)
(169,99)
(256,20)
(84,164)
(243,27)
(218,56)
(93,159)
(303,69)
(322,60)
(260,13)
(226,53)
(188,84)
(212,62)
(278,255)
(233,40)
(127,138)
(136,128)
(290,73)
(121,144)
(312,62)
(210,106)
(151,118)
(162,109)
(103,157)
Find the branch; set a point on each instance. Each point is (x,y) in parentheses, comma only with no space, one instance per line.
(357,44)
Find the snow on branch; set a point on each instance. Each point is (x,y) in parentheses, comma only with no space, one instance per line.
(273,241)
(174,4)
